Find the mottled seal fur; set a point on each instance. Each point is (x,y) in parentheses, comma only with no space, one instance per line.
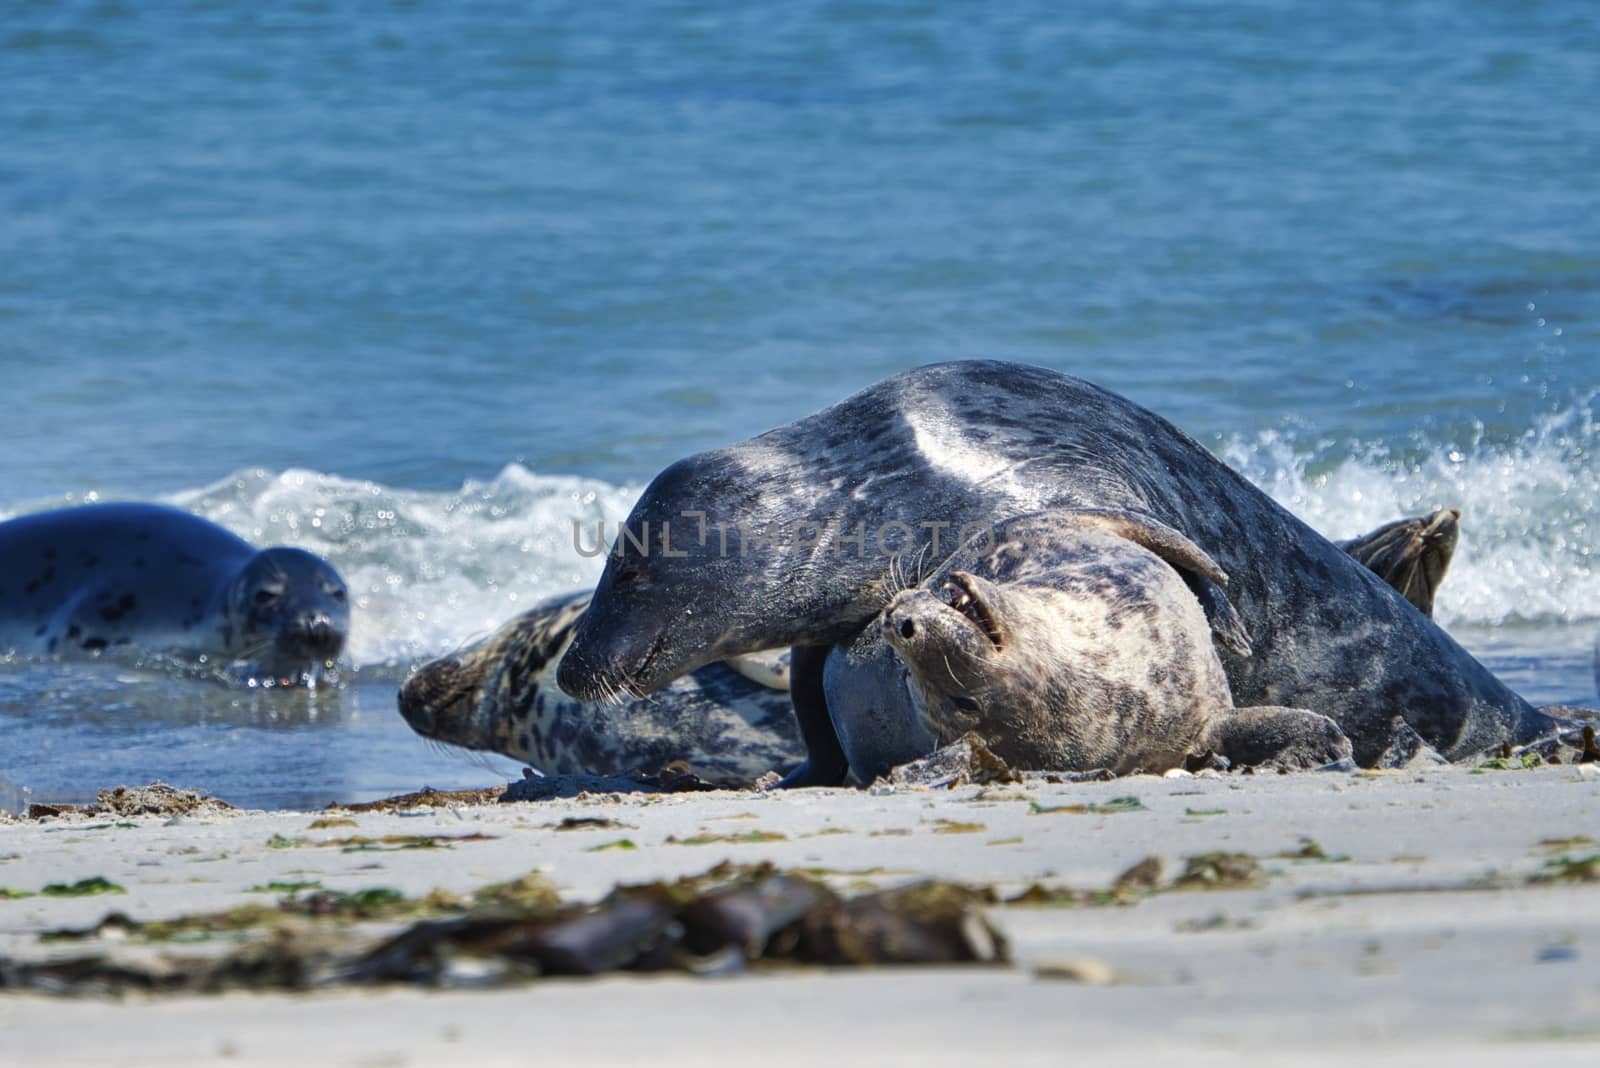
(780,540)
(1070,641)
(730,723)
(156,580)
(1412,554)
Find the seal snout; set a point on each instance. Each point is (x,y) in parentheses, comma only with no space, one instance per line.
(430,688)
(316,637)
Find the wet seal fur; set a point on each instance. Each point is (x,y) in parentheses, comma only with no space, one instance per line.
(730,723)
(150,579)
(984,442)
(1070,641)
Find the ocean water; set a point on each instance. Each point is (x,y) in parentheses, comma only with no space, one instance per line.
(415,285)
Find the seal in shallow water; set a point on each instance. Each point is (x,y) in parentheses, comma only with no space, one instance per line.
(729,723)
(153,579)
(1071,641)
(781,540)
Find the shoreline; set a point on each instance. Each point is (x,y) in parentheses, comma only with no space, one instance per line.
(1421,931)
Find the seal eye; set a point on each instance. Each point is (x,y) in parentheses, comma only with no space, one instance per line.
(265,597)
(337,593)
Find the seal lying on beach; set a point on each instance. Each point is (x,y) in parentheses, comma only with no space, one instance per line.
(817,508)
(1071,641)
(157,580)
(499,695)
(731,723)
(895,697)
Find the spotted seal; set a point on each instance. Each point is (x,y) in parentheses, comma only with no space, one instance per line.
(730,722)
(157,580)
(1071,641)
(780,540)
(1070,688)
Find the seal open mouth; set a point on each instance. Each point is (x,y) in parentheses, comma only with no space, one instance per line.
(960,594)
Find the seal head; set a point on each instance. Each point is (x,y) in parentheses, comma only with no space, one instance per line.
(287,615)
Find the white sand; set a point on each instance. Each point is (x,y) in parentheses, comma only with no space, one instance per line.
(1331,978)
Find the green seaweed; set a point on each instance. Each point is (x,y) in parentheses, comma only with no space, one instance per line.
(9,894)
(1566,869)
(1108,808)
(1205,812)
(1574,841)
(95,884)
(944,826)
(1312,850)
(748,838)
(360,843)
(620,843)
(292,886)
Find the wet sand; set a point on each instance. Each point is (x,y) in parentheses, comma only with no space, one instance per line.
(1427,930)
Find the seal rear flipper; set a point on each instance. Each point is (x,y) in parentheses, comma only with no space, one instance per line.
(1269,734)
(1411,555)
(1407,748)
(825,763)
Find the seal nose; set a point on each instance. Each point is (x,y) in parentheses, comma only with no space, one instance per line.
(319,637)
(416,711)
(898,622)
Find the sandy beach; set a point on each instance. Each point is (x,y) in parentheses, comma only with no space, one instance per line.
(1402,917)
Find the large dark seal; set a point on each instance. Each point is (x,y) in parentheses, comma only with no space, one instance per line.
(1071,641)
(730,723)
(157,580)
(782,540)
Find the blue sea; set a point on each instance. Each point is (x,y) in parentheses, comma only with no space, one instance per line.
(416,284)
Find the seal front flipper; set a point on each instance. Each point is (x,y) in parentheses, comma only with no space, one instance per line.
(1411,555)
(825,763)
(1268,734)
(1204,577)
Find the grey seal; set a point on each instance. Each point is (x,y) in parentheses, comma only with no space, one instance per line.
(780,540)
(1071,641)
(1059,695)
(149,579)
(729,722)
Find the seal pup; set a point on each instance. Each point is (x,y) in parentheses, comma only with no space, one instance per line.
(730,723)
(781,540)
(150,579)
(1070,641)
